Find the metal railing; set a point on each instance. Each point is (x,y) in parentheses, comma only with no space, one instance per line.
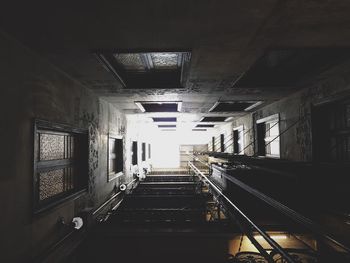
(290,213)
(246,220)
(113,197)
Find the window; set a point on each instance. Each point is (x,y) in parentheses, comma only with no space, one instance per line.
(268,136)
(60,163)
(143,151)
(222,142)
(134,153)
(331,132)
(115,157)
(149,151)
(238,140)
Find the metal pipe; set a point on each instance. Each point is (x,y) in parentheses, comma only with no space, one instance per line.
(131,182)
(111,198)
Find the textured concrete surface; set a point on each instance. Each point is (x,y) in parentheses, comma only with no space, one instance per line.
(225,37)
(45,71)
(295,114)
(31,88)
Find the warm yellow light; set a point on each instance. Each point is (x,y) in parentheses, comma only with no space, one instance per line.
(272,236)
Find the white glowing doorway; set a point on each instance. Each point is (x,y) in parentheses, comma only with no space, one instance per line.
(165,151)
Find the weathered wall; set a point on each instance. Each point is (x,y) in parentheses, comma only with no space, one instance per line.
(137,131)
(33,88)
(295,114)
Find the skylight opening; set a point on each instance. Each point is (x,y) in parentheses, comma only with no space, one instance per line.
(164,119)
(147,70)
(205,126)
(234,106)
(159,106)
(214,119)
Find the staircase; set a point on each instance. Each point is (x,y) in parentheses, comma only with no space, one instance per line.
(164,199)
(166,218)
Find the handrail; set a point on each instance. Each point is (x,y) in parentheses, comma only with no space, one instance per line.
(199,160)
(131,182)
(111,199)
(284,209)
(268,239)
(106,202)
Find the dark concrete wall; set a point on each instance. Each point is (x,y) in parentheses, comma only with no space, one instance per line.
(295,114)
(33,88)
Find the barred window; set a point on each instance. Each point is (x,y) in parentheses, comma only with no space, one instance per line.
(60,163)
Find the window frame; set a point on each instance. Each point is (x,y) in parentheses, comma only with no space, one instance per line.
(149,151)
(143,151)
(111,175)
(134,157)
(329,120)
(264,121)
(42,127)
(238,129)
(222,142)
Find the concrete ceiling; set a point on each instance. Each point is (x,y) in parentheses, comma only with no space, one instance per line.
(225,37)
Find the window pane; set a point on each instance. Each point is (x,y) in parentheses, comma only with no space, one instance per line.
(111,145)
(271,140)
(55,182)
(275,147)
(240,141)
(274,131)
(51,146)
(111,166)
(51,183)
